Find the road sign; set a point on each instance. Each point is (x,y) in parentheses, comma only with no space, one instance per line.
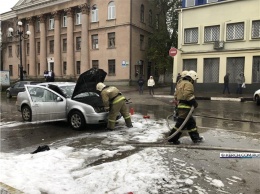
(173,52)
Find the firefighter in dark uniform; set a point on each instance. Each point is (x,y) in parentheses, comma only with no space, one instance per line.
(185,95)
(114,102)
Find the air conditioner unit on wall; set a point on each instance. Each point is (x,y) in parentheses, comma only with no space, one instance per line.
(219,45)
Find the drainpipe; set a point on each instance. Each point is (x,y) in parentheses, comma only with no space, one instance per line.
(130,50)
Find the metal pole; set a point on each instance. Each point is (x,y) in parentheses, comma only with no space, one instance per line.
(21,60)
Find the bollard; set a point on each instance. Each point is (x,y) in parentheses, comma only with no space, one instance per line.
(132,111)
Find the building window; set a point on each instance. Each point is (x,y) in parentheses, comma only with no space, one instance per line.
(95,64)
(27,48)
(111,10)
(111,67)
(11,70)
(111,40)
(64,45)
(256,70)
(256,29)
(27,27)
(190,64)
(39,69)
(235,31)
(78,43)
(94,41)
(64,67)
(211,70)
(235,65)
(191,35)
(211,33)
(141,42)
(150,17)
(78,67)
(78,18)
(189,3)
(157,21)
(51,46)
(10,51)
(37,26)
(38,47)
(94,13)
(51,23)
(64,20)
(142,13)
(18,50)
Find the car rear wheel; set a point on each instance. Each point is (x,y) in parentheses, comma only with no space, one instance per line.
(8,95)
(77,120)
(257,99)
(26,113)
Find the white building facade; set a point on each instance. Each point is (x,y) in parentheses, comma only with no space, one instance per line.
(219,37)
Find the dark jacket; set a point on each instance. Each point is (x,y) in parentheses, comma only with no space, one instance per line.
(226,79)
(140,81)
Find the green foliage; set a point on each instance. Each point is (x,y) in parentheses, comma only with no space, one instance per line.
(165,34)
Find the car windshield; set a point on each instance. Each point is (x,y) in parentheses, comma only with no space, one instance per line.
(67,90)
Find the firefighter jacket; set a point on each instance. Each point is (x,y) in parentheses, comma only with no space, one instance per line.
(109,94)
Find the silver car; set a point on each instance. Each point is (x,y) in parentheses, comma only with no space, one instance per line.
(64,101)
(256,97)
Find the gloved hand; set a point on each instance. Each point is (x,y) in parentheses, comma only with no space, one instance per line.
(194,103)
(107,109)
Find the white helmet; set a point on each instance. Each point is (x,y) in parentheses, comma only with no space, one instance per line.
(100,86)
(193,75)
(184,73)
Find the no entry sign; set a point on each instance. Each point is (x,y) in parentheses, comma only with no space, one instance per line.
(173,52)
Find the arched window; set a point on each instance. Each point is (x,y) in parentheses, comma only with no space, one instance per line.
(150,17)
(94,13)
(142,13)
(111,10)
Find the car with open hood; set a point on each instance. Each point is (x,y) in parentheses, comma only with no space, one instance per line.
(78,103)
(256,97)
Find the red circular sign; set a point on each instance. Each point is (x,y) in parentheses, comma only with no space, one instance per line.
(173,52)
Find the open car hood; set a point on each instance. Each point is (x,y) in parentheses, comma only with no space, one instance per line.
(88,80)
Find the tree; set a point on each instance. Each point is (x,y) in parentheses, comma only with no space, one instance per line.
(164,36)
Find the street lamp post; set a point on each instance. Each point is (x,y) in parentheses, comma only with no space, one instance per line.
(21,37)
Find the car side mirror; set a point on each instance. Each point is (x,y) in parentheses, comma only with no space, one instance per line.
(59,99)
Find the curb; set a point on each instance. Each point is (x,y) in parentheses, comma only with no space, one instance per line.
(235,99)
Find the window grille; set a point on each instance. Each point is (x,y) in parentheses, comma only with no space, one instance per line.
(190,64)
(211,33)
(211,70)
(235,31)
(111,67)
(256,70)
(235,66)
(111,10)
(95,41)
(256,29)
(191,35)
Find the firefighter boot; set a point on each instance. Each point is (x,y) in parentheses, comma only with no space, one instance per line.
(128,122)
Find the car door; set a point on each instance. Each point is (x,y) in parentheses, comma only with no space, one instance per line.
(46,105)
(16,88)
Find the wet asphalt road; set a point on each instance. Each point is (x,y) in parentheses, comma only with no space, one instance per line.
(224,124)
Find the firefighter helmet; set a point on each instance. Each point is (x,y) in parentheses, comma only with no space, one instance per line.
(100,86)
(193,75)
(184,73)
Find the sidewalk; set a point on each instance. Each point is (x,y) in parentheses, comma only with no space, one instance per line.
(164,92)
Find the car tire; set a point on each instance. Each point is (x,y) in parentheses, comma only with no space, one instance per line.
(77,120)
(257,100)
(8,94)
(26,113)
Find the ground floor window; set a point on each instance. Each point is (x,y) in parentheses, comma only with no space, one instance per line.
(95,64)
(235,66)
(211,70)
(64,67)
(78,67)
(10,70)
(39,69)
(190,64)
(111,67)
(256,70)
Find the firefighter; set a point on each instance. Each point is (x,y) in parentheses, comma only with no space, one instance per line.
(114,102)
(185,95)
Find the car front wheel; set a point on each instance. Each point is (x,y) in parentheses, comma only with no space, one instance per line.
(257,99)
(8,95)
(26,113)
(77,120)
